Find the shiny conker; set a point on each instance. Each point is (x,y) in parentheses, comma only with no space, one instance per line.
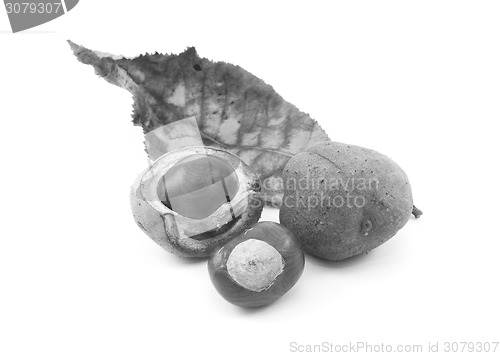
(258,266)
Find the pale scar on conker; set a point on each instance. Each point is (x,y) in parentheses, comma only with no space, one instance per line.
(194,199)
(257,267)
(342,200)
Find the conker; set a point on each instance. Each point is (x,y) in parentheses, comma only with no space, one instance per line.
(196,186)
(258,266)
(194,199)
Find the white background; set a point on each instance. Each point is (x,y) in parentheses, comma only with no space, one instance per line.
(416,80)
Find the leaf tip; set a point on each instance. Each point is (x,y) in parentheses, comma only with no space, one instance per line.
(77,49)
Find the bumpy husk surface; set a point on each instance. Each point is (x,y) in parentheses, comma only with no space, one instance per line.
(334,231)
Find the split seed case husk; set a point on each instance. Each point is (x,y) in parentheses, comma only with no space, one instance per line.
(196,235)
